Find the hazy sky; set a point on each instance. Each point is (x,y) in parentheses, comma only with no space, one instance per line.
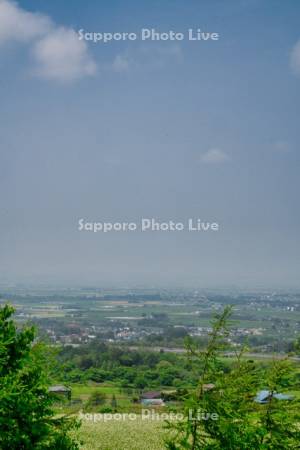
(171,130)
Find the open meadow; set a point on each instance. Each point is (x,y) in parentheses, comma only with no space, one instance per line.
(127,434)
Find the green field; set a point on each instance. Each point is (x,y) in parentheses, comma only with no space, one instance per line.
(83,392)
(123,435)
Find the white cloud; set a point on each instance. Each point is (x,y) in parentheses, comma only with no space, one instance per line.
(147,56)
(121,63)
(57,52)
(61,56)
(282,146)
(295,58)
(214,156)
(21,26)
(173,51)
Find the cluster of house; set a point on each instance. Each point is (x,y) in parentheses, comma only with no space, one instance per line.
(158,398)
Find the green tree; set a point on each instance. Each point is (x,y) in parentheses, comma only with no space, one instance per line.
(26,416)
(279,420)
(297,345)
(114,403)
(97,398)
(140,382)
(241,423)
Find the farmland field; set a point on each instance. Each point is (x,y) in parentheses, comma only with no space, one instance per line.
(123,435)
(83,392)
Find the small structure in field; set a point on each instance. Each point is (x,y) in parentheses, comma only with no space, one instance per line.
(60,391)
(264,396)
(152,398)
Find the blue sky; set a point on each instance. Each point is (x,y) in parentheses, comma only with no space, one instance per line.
(171,130)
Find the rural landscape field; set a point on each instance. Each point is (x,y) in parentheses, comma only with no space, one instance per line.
(73,316)
(126,435)
(123,361)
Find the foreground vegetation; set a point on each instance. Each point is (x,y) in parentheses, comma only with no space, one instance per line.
(241,424)
(27,417)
